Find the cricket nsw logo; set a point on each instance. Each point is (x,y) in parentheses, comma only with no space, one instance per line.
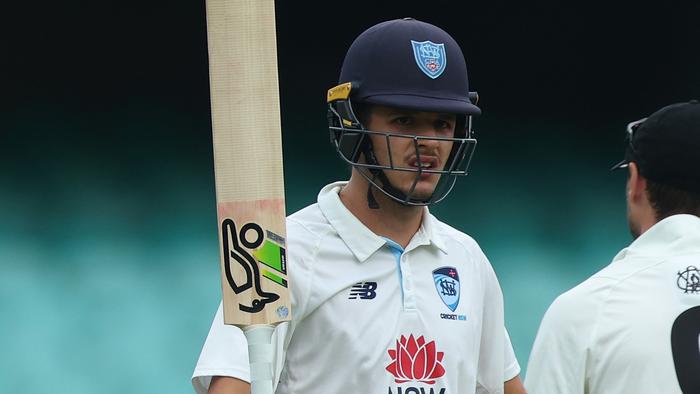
(430,57)
(414,360)
(447,285)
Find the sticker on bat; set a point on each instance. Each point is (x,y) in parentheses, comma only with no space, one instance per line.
(251,236)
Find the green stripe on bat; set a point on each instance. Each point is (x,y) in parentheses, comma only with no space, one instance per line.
(279,280)
(272,255)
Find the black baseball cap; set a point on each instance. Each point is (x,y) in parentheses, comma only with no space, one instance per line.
(666,146)
(410,64)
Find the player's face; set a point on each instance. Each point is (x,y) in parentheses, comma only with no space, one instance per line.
(433,153)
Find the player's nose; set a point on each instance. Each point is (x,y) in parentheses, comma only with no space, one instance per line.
(427,139)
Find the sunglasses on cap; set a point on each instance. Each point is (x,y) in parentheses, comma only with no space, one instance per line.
(631,129)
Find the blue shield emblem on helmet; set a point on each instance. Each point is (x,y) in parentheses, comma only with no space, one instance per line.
(430,57)
(447,285)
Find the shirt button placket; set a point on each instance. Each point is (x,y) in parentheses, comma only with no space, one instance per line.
(409,299)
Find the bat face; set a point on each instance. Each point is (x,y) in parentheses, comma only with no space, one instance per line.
(254,262)
(247,140)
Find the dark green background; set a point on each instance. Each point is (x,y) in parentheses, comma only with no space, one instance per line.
(108,251)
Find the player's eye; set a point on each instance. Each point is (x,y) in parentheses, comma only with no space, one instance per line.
(403,120)
(443,125)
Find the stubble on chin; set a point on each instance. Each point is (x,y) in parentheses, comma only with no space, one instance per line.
(423,190)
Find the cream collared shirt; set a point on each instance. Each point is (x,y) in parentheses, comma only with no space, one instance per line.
(632,327)
(369,317)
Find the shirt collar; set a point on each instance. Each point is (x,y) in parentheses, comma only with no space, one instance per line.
(360,239)
(676,232)
(429,230)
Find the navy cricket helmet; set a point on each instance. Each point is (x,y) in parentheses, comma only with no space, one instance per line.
(409,64)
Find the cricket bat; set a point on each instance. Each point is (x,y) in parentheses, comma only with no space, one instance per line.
(247,141)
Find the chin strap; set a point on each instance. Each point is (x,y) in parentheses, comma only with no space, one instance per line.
(369,156)
(371,201)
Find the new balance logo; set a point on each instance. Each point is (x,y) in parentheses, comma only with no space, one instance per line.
(363,291)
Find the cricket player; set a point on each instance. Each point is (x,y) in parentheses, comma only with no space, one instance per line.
(385,297)
(634,327)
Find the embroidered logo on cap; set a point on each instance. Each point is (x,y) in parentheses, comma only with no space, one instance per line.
(430,57)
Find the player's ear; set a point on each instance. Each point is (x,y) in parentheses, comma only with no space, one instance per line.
(636,184)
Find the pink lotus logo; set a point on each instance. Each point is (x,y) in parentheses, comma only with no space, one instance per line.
(414,360)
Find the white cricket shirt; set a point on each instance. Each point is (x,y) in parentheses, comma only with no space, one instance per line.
(369,317)
(632,327)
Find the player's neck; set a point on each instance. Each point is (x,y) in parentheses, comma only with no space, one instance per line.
(391,220)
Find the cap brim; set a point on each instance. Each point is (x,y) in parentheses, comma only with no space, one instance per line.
(421,103)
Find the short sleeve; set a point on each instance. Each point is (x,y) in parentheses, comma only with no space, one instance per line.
(492,355)
(225,353)
(511,367)
(557,362)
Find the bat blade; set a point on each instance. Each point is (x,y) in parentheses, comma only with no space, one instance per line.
(248,170)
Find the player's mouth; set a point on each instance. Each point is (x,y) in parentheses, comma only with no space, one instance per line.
(424,163)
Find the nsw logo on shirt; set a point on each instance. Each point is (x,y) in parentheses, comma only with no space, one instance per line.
(414,360)
(447,284)
(363,291)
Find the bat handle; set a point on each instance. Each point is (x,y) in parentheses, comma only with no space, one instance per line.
(259,338)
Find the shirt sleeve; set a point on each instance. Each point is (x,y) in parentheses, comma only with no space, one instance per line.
(225,353)
(558,359)
(511,367)
(492,355)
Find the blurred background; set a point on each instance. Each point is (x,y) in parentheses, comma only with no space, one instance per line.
(108,248)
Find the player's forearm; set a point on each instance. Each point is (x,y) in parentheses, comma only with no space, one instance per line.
(228,385)
(514,386)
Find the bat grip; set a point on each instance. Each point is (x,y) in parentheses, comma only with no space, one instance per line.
(259,338)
